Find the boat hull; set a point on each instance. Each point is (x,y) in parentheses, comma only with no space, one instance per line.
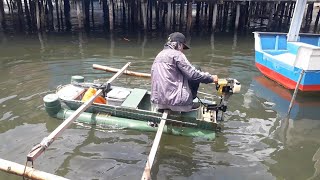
(284,61)
(103,119)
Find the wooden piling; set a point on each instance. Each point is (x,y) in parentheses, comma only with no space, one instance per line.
(144,14)
(2,15)
(189,16)
(57,14)
(214,16)
(20,15)
(236,25)
(271,15)
(198,8)
(315,28)
(66,9)
(168,16)
(174,15)
(92,14)
(78,7)
(38,15)
(110,4)
(61,14)
(182,15)
(308,17)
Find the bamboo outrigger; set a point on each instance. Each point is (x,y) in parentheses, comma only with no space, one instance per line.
(131,108)
(27,172)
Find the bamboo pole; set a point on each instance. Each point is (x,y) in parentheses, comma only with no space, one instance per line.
(147,170)
(27,172)
(110,69)
(295,92)
(47,141)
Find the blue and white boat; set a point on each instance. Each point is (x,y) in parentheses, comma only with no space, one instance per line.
(285,57)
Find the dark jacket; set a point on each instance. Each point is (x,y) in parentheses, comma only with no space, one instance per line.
(170,74)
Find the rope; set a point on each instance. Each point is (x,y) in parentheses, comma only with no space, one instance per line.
(25,168)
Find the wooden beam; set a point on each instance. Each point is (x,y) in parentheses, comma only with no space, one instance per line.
(27,172)
(46,142)
(147,170)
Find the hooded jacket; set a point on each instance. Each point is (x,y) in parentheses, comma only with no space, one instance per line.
(170,73)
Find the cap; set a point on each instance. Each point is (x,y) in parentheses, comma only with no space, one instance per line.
(178,37)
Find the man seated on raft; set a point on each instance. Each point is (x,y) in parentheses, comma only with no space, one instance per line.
(174,80)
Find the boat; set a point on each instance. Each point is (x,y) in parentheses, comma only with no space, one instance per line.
(293,59)
(130,108)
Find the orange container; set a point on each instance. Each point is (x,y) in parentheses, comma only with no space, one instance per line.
(91,92)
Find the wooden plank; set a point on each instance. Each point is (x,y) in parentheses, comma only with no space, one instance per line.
(147,170)
(134,99)
(37,150)
(27,172)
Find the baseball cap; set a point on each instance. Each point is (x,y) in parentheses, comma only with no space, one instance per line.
(178,37)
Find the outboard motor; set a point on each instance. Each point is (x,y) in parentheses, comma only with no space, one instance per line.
(225,88)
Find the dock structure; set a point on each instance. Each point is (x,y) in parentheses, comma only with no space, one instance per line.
(153,15)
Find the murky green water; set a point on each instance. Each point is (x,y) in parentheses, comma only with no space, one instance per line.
(256,142)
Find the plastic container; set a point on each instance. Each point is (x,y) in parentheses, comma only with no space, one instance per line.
(116,96)
(91,92)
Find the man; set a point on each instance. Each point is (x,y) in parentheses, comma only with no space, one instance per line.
(175,81)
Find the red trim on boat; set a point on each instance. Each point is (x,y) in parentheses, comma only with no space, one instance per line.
(284,81)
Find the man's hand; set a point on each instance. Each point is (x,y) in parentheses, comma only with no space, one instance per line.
(215,78)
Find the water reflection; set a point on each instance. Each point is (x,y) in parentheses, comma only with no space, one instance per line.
(278,99)
(297,134)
